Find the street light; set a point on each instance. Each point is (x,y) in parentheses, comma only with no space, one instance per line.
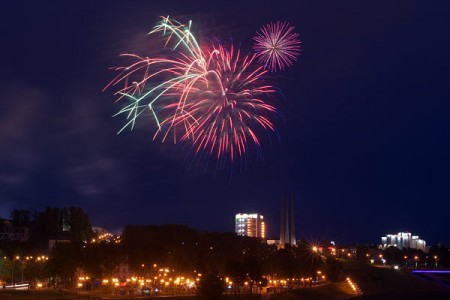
(14,266)
(436,260)
(38,261)
(416,258)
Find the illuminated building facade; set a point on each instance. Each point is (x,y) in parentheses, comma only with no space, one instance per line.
(250,225)
(403,240)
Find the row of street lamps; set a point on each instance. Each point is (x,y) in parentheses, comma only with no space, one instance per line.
(416,260)
(25,259)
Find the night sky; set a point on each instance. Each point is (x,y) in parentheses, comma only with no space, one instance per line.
(364,146)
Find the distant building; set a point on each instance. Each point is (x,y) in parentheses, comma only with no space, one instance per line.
(10,232)
(101,234)
(403,240)
(250,225)
(52,241)
(273,242)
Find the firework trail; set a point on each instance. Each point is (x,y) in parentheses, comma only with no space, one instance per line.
(212,98)
(277,45)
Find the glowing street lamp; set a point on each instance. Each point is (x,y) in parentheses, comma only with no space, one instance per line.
(38,261)
(416,258)
(383,261)
(436,261)
(13,268)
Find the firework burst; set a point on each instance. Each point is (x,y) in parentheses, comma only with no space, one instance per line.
(213,98)
(277,45)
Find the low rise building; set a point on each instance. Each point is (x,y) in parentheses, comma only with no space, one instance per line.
(403,240)
(10,232)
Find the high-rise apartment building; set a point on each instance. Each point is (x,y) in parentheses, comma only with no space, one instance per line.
(250,225)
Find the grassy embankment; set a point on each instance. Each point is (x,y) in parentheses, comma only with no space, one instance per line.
(379,283)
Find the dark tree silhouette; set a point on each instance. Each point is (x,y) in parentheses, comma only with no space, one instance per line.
(211,287)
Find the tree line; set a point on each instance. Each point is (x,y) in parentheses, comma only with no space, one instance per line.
(186,250)
(177,247)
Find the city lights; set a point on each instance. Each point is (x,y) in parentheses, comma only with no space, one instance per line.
(354,286)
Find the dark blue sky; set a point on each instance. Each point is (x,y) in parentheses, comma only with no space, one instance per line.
(364,146)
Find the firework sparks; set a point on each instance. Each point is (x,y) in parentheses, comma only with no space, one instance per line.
(212,98)
(277,45)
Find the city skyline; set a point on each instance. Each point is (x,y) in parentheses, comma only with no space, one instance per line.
(245,224)
(362,139)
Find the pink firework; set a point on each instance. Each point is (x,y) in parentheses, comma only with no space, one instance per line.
(223,108)
(277,45)
(210,98)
